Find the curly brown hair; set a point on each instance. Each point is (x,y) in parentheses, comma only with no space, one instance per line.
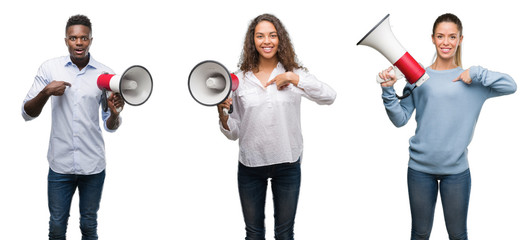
(285,52)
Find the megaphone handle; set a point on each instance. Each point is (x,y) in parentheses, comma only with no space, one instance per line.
(399,75)
(230,109)
(226,111)
(104,99)
(380,80)
(395,71)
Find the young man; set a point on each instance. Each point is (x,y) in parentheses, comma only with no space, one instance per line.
(76,148)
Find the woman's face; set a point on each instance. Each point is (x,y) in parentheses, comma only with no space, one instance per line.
(266,40)
(446,38)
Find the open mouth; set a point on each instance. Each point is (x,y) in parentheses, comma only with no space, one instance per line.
(79,51)
(267,49)
(445,50)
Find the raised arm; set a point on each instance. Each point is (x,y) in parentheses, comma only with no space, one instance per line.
(498,83)
(399,111)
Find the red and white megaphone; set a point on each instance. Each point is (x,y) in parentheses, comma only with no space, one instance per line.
(134,85)
(381,38)
(210,83)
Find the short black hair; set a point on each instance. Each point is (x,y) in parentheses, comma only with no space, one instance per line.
(78,20)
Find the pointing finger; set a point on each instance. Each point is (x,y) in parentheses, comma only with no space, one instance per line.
(271,82)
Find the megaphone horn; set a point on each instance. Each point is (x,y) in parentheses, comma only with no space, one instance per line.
(210,83)
(135,85)
(381,38)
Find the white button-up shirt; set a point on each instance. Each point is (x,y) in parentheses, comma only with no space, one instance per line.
(267,120)
(76,145)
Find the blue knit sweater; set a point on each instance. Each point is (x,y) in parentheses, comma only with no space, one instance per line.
(446,116)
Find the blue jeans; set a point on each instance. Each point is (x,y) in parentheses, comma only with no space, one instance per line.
(252,186)
(60,191)
(454,195)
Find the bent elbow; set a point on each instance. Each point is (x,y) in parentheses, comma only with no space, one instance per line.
(398,120)
(399,124)
(232,137)
(328,100)
(26,116)
(332,99)
(513,87)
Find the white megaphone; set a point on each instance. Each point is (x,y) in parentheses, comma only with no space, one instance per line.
(210,84)
(134,85)
(381,38)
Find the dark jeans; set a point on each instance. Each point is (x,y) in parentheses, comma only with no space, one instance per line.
(60,191)
(252,186)
(454,190)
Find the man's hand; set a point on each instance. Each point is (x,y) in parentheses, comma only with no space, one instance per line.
(34,106)
(56,88)
(115,103)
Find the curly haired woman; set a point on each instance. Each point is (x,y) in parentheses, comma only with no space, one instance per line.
(266,120)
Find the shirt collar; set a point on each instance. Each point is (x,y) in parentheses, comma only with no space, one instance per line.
(91,64)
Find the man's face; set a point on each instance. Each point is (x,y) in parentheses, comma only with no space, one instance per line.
(78,40)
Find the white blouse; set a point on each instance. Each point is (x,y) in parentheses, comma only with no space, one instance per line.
(267,120)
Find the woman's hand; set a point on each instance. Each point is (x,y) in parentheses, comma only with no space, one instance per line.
(226,104)
(464,76)
(223,108)
(283,80)
(389,77)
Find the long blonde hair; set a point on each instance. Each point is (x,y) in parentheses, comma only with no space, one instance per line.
(449,17)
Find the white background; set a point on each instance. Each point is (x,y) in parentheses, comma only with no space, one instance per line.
(172,175)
